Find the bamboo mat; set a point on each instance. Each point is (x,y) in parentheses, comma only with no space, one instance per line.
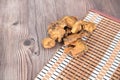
(100,62)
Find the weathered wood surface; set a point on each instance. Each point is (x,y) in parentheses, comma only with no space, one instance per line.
(23,24)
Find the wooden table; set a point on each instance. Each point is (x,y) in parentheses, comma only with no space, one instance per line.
(23,24)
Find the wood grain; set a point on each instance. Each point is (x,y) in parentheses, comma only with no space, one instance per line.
(23,24)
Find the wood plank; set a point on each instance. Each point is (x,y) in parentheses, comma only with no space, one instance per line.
(18,38)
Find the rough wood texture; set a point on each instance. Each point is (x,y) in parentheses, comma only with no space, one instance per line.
(23,24)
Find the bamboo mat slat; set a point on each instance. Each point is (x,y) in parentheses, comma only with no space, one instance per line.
(101,61)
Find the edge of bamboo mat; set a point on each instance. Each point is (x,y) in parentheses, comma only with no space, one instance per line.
(105,15)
